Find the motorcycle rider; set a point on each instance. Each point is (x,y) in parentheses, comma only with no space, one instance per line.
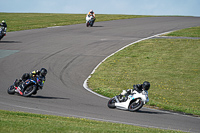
(3,26)
(42,73)
(91,13)
(139,88)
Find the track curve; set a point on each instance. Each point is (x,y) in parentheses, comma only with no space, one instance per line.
(70,53)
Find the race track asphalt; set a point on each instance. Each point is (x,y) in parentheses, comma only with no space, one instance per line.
(70,53)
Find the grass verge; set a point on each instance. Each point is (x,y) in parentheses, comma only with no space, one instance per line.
(19,122)
(188,32)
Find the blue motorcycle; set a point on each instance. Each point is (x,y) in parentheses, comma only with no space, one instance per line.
(27,88)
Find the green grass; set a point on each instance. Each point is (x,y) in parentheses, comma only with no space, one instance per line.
(25,21)
(189,32)
(170,65)
(19,122)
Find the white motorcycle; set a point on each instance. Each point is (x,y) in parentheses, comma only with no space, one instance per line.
(89,20)
(132,102)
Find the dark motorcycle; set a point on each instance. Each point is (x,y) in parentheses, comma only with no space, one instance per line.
(27,88)
(2,33)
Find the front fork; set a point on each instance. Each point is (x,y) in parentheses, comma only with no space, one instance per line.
(116,99)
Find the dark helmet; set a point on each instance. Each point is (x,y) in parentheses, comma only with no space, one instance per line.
(146,85)
(43,71)
(91,11)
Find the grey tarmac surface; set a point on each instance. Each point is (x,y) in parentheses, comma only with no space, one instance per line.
(70,53)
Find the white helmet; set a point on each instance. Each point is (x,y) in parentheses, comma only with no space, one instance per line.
(91,11)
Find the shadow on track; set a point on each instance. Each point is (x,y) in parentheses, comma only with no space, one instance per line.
(46,97)
(150,112)
(97,26)
(10,42)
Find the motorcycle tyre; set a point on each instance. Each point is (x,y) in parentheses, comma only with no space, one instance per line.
(35,92)
(1,37)
(139,106)
(87,24)
(11,90)
(111,103)
(92,24)
(33,89)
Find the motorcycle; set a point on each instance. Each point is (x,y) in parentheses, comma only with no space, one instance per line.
(2,33)
(30,87)
(89,20)
(132,102)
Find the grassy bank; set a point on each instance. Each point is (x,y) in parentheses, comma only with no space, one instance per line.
(18,122)
(189,32)
(170,65)
(25,21)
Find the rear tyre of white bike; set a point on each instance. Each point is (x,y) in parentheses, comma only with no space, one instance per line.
(135,105)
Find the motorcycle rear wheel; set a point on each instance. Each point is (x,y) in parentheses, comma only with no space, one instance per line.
(92,23)
(29,90)
(111,103)
(135,106)
(11,90)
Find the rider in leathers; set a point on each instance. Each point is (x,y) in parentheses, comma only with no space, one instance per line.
(31,75)
(91,12)
(139,88)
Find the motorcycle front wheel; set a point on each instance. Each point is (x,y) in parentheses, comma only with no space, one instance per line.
(111,103)
(29,90)
(135,105)
(87,24)
(11,90)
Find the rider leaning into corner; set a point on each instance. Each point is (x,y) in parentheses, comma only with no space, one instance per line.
(42,73)
(91,13)
(139,88)
(3,25)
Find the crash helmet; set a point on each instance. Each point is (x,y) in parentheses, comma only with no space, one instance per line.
(3,21)
(43,71)
(91,11)
(146,85)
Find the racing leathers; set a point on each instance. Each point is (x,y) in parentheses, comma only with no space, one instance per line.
(91,13)
(125,93)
